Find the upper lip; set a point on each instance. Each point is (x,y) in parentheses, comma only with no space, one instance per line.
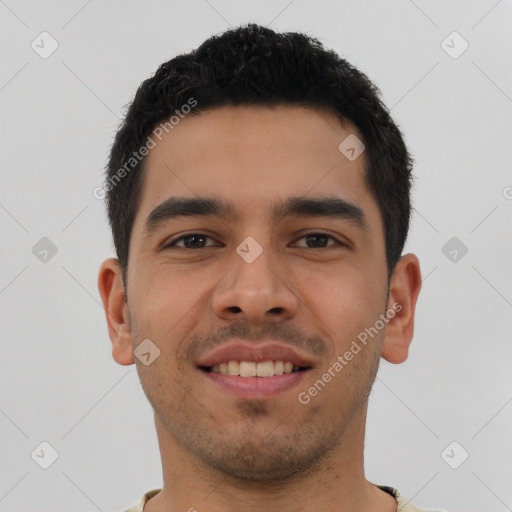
(248,351)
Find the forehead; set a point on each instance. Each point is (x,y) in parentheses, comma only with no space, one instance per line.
(252,155)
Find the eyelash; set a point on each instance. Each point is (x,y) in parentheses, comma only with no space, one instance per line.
(189,235)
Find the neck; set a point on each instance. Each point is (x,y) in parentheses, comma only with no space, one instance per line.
(337,481)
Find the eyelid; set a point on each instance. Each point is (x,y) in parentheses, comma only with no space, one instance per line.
(321,232)
(173,242)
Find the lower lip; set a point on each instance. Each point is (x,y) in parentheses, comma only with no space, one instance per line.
(255,387)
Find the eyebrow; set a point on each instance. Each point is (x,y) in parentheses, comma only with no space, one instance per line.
(329,207)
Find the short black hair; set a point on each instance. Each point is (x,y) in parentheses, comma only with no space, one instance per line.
(254,65)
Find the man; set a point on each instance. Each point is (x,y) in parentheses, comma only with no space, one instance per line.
(258,194)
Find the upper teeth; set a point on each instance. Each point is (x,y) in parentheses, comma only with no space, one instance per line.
(252,369)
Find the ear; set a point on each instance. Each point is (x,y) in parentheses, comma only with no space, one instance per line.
(110,285)
(404,288)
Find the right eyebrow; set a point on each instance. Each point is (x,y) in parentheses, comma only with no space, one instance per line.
(174,207)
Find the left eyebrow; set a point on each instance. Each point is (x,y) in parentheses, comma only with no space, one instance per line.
(330,207)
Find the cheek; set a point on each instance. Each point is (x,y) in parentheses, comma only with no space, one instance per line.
(167,305)
(164,296)
(345,298)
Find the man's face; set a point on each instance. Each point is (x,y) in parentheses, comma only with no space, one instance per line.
(318,282)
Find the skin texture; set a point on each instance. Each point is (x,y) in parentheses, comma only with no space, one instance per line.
(220,452)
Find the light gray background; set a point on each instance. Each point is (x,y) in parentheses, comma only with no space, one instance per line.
(59,383)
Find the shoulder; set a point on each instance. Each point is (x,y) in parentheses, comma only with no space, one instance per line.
(405,505)
(139,506)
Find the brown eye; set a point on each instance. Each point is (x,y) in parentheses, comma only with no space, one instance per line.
(319,240)
(191,241)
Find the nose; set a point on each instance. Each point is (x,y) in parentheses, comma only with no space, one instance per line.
(258,291)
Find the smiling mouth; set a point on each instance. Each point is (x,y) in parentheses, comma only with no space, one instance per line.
(252,369)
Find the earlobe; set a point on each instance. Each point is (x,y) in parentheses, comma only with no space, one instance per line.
(110,286)
(404,289)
